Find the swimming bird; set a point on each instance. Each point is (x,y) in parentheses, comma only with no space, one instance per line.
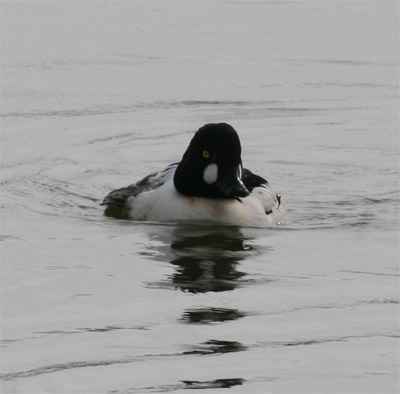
(209,185)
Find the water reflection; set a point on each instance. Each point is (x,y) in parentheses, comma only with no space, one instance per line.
(185,384)
(205,259)
(211,315)
(213,384)
(208,262)
(214,346)
(198,275)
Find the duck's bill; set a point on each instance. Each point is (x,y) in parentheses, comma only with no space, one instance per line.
(230,185)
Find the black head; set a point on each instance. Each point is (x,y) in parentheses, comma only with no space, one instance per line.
(211,166)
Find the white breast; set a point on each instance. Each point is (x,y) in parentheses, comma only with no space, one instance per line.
(165,204)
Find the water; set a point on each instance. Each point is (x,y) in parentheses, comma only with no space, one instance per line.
(98,94)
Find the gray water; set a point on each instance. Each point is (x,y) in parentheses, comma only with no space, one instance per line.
(95,95)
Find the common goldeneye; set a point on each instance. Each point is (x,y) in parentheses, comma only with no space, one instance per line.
(209,185)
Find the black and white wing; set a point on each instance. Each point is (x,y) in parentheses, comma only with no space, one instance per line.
(116,200)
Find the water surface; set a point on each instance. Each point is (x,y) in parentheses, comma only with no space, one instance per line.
(95,95)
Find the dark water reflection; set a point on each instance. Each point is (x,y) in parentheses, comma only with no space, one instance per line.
(213,384)
(186,384)
(206,259)
(214,346)
(198,275)
(211,315)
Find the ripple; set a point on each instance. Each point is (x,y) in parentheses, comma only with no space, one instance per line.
(356,212)
(185,384)
(53,197)
(370,273)
(60,367)
(214,384)
(214,346)
(321,341)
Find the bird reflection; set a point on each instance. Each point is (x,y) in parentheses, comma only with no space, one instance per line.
(211,315)
(198,275)
(207,259)
(213,384)
(214,346)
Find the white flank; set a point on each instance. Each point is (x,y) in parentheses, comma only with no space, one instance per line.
(165,204)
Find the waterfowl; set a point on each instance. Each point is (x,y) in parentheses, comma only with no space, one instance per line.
(208,185)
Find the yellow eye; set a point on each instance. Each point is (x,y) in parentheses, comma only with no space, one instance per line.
(206,154)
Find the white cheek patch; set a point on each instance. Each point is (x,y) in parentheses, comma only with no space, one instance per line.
(210,173)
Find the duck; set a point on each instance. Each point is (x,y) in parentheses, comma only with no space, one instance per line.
(208,186)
